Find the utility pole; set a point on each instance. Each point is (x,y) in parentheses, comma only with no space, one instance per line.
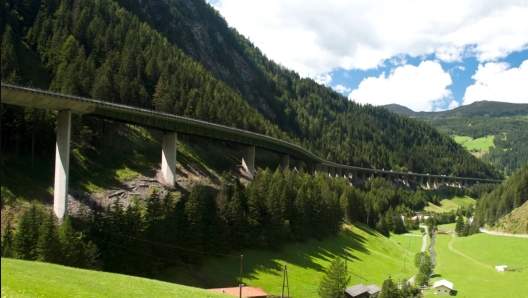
(285,282)
(240,283)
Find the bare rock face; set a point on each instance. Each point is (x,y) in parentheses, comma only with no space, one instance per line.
(207,42)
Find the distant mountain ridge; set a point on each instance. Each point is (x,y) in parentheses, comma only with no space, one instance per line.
(478,108)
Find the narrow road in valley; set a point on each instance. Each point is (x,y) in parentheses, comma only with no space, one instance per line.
(450,246)
(424,244)
(503,234)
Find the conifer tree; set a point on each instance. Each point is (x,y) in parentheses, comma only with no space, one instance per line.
(335,280)
(459,228)
(71,244)
(48,245)
(7,241)
(389,289)
(26,237)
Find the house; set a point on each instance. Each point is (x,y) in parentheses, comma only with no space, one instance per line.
(361,291)
(443,287)
(249,292)
(501,268)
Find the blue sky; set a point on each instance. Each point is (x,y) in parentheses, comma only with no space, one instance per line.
(426,55)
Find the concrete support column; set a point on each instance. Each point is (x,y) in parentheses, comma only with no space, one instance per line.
(168,157)
(299,165)
(364,176)
(389,178)
(285,161)
(346,174)
(465,183)
(339,172)
(331,171)
(318,168)
(248,160)
(354,174)
(62,164)
(324,169)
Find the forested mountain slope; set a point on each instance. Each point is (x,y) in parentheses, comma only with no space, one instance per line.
(506,122)
(101,50)
(509,195)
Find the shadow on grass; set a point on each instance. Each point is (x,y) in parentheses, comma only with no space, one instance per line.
(307,255)
(453,293)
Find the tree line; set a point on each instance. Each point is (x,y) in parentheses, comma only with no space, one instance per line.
(157,232)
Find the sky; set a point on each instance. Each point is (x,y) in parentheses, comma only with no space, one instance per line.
(427,55)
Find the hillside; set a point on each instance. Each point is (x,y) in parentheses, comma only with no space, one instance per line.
(492,109)
(516,222)
(511,194)
(102,50)
(371,258)
(36,279)
(505,123)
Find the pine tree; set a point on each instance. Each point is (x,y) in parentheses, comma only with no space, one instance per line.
(389,289)
(71,244)
(7,241)
(335,280)
(26,237)
(48,245)
(459,225)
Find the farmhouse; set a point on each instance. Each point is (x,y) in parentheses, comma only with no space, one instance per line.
(249,292)
(501,268)
(443,287)
(361,291)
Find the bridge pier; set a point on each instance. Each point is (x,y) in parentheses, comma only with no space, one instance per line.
(168,157)
(318,168)
(62,164)
(248,160)
(324,169)
(331,171)
(299,165)
(339,172)
(346,174)
(285,161)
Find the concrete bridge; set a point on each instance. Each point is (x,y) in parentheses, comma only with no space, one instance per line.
(172,124)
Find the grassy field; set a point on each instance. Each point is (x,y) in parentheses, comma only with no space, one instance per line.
(36,279)
(480,144)
(469,263)
(449,204)
(371,258)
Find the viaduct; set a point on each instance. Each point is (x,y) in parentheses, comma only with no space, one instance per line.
(172,124)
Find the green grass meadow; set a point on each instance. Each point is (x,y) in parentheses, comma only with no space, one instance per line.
(469,263)
(36,279)
(480,144)
(448,204)
(371,258)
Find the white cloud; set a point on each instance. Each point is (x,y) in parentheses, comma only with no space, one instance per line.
(342,89)
(453,104)
(324,79)
(499,82)
(420,88)
(314,37)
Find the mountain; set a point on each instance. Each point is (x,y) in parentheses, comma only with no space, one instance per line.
(505,123)
(485,108)
(184,59)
